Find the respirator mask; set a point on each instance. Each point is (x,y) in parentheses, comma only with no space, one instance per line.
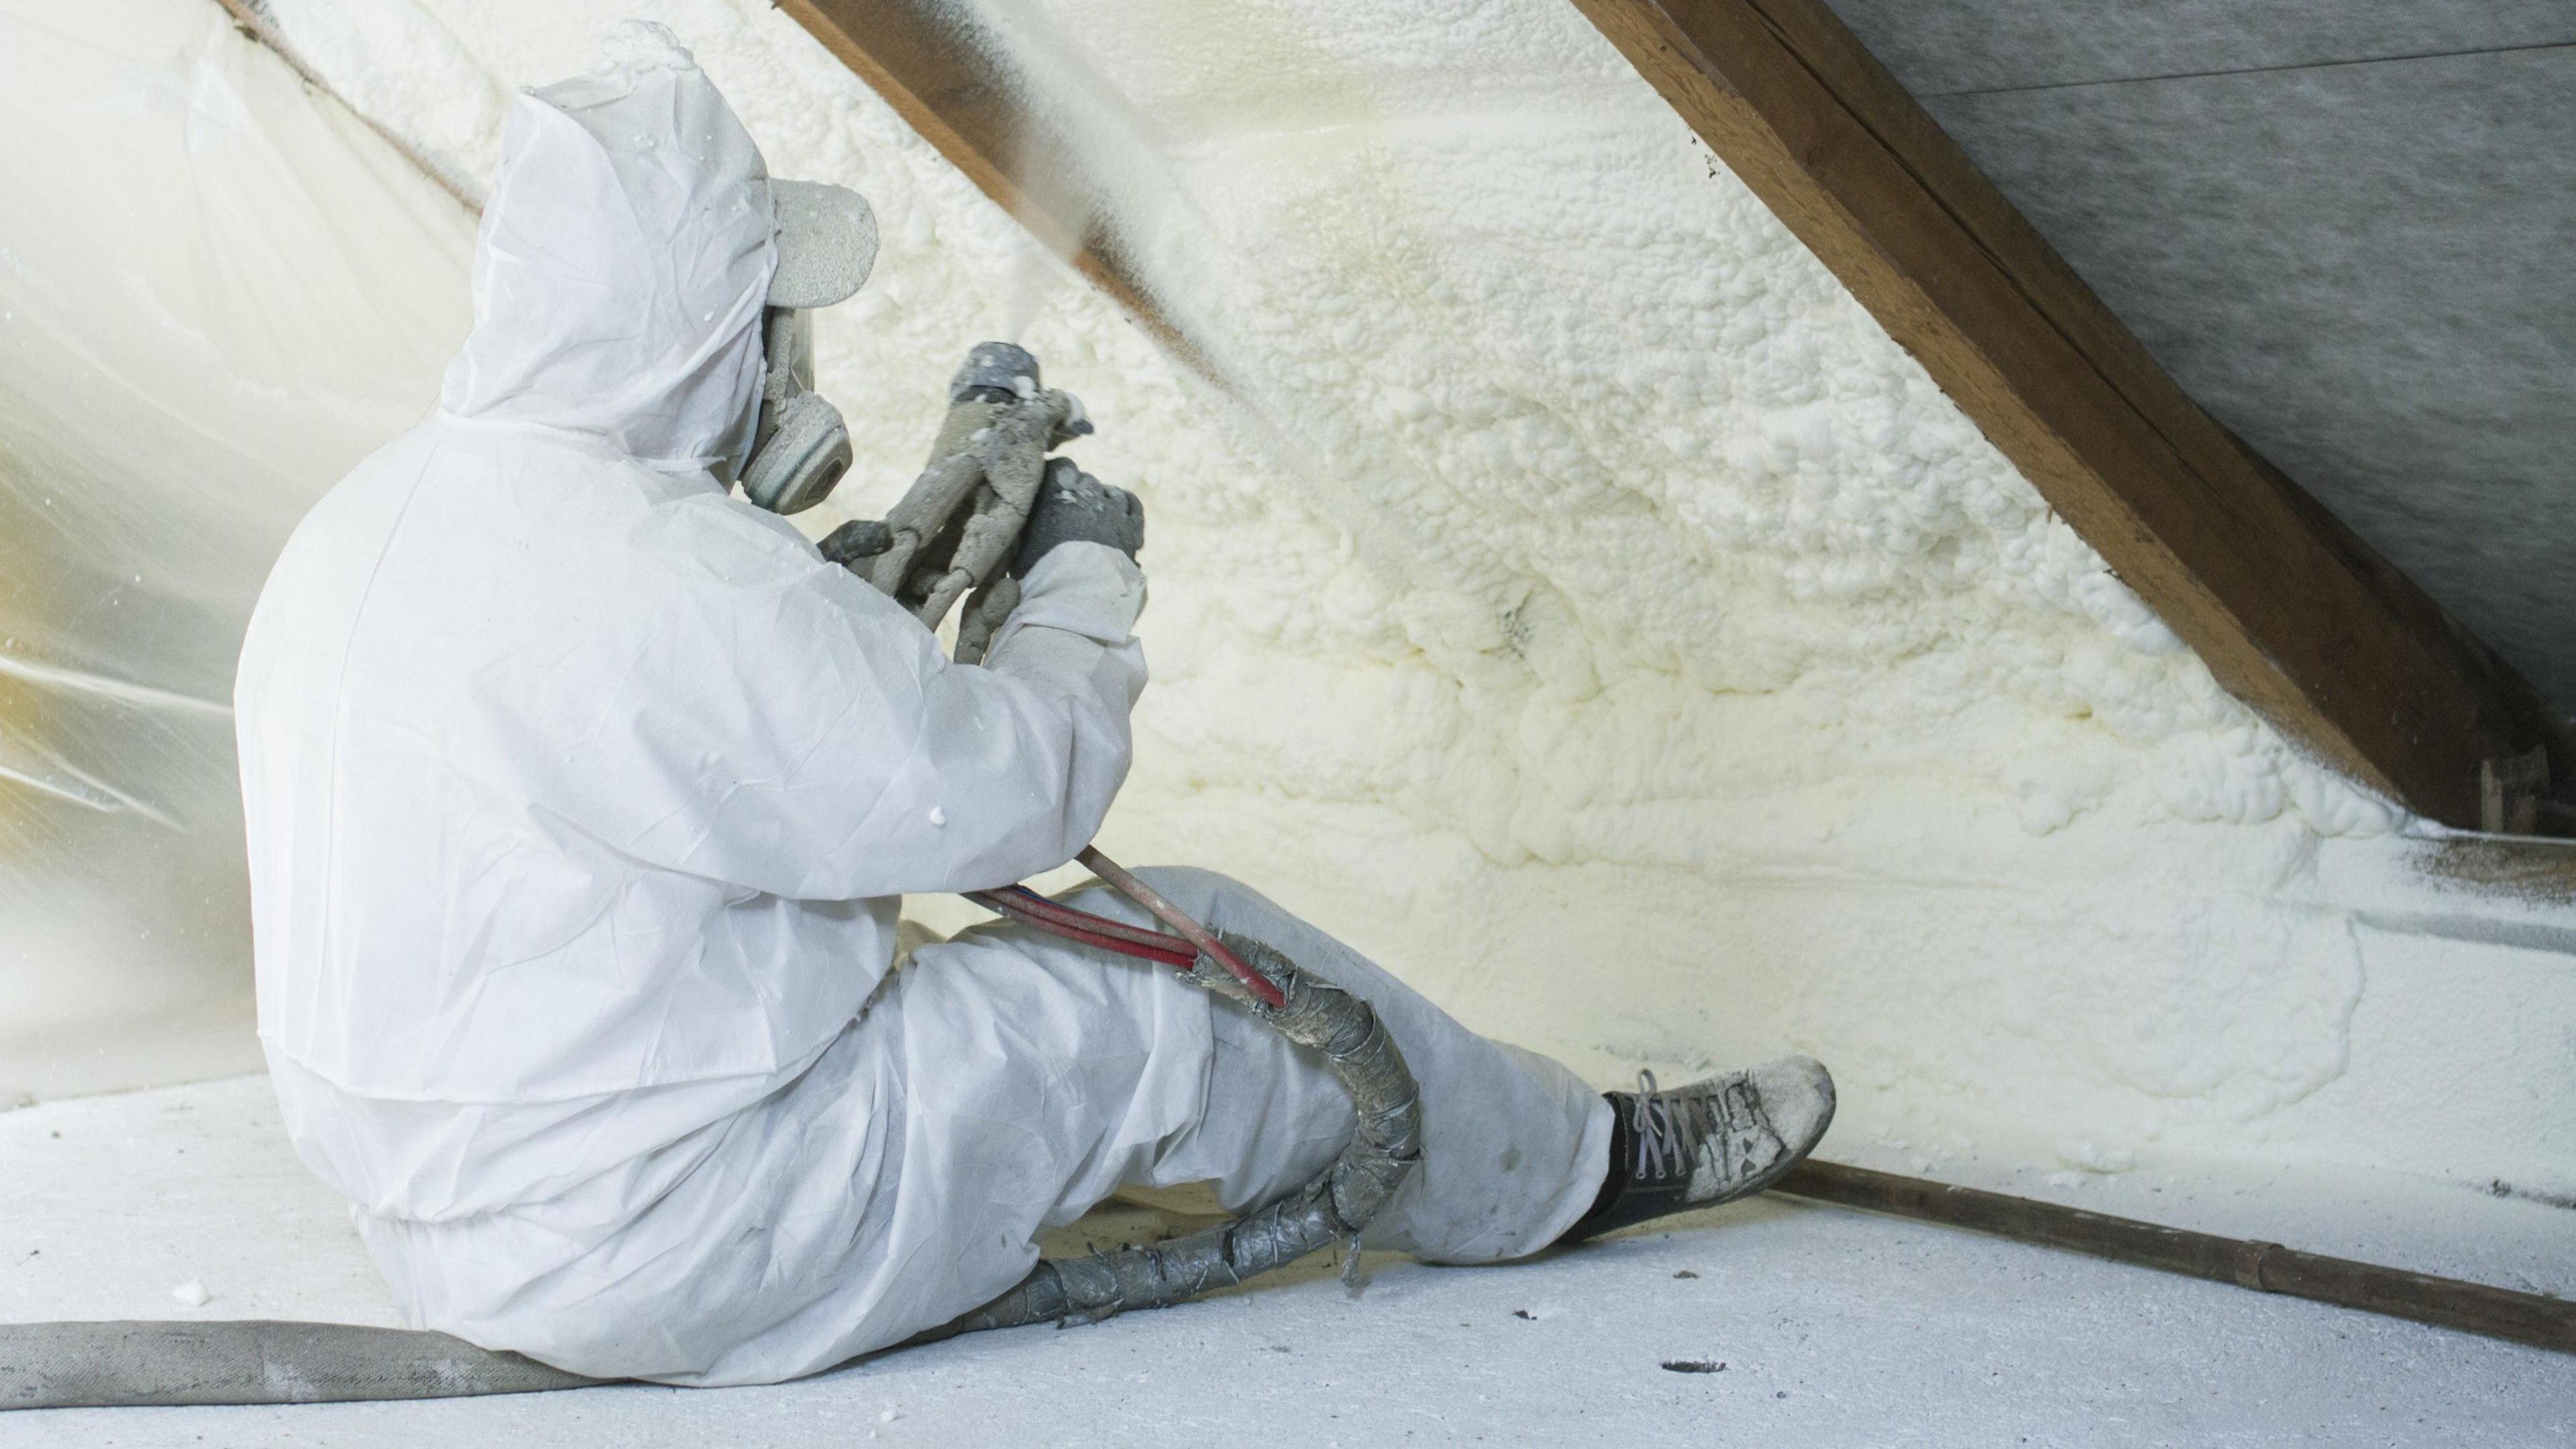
(827,242)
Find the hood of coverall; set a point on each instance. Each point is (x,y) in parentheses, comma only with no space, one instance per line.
(623,260)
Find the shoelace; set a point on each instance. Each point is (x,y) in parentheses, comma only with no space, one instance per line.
(1667,1130)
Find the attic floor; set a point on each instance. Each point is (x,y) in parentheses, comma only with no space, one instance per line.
(1832,1328)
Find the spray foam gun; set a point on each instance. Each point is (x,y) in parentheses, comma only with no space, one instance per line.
(955,530)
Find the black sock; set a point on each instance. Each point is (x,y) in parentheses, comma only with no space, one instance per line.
(1623,1147)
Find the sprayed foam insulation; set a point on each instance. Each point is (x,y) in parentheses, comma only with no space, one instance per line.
(1570,596)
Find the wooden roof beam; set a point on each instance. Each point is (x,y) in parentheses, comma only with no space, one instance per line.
(961,100)
(2292,612)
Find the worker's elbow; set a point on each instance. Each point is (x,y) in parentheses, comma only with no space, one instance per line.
(995,833)
(1087,787)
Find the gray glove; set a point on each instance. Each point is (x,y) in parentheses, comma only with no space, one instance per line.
(1074,507)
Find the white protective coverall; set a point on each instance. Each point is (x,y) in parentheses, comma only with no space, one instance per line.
(581,798)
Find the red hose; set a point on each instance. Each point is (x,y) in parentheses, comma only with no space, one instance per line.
(1081,928)
(1021,903)
(1179,920)
(1056,918)
(1141,935)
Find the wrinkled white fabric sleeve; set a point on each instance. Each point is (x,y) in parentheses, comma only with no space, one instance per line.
(815,743)
(1058,682)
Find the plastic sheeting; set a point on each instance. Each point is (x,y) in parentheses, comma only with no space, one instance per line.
(218,290)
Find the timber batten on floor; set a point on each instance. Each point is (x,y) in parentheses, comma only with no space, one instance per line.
(2533,1318)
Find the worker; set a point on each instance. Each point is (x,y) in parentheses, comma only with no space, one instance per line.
(582,796)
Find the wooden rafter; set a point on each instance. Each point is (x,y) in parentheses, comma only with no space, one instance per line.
(959,99)
(2293,612)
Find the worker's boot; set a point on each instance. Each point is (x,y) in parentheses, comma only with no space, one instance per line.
(1709,1142)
